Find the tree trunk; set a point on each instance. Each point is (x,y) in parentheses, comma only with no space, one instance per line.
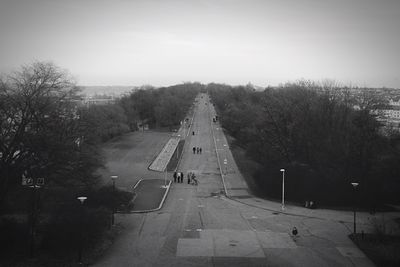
(4,178)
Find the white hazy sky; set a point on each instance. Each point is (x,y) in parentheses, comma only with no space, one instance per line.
(265,42)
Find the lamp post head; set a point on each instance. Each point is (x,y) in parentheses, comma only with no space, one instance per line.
(114,177)
(354,185)
(282,170)
(82,199)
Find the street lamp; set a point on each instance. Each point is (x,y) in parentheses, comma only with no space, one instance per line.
(177,148)
(283,188)
(113,178)
(354,184)
(35,184)
(226,166)
(81,199)
(226,148)
(165,178)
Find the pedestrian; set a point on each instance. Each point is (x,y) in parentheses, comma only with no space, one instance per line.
(197,150)
(178,176)
(175,176)
(294,231)
(194,150)
(194,179)
(200,150)
(188,177)
(193,133)
(182,176)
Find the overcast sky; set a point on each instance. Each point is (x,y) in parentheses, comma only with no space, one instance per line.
(164,42)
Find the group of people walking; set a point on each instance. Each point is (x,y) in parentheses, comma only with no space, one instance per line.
(191,178)
(197,150)
(178,176)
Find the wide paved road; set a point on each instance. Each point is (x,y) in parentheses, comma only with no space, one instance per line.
(199,226)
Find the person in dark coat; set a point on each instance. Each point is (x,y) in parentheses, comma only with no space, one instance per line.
(195,182)
(200,150)
(182,176)
(175,176)
(194,150)
(188,177)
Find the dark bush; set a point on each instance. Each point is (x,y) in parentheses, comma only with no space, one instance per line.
(13,233)
(72,225)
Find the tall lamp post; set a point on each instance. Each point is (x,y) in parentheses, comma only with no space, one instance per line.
(226,165)
(113,178)
(165,177)
(35,184)
(177,148)
(283,188)
(81,199)
(226,150)
(33,220)
(354,184)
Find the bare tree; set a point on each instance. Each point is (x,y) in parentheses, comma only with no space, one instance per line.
(38,122)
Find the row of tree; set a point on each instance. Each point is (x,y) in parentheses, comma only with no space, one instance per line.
(161,107)
(46,131)
(315,132)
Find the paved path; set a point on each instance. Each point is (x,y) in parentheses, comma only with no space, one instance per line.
(200,226)
(161,161)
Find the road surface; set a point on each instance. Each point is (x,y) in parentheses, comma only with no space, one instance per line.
(200,226)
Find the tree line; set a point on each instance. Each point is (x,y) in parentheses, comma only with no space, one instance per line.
(46,132)
(315,133)
(159,107)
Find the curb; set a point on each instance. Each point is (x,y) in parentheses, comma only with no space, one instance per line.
(161,203)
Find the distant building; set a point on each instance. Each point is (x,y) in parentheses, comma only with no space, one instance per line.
(390,115)
(393,113)
(98,100)
(394,102)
